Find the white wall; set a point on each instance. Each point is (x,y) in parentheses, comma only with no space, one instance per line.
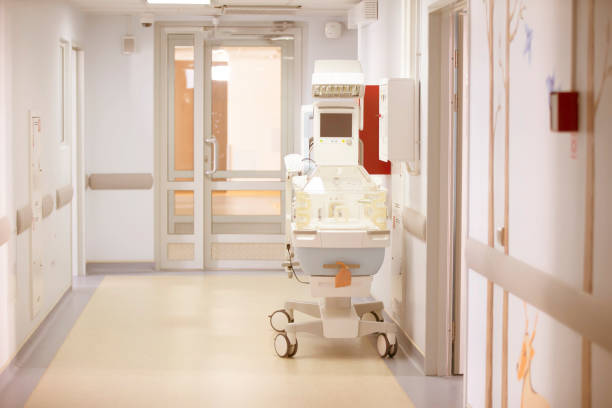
(378,52)
(32,66)
(5,181)
(382,56)
(380,43)
(118,138)
(547,194)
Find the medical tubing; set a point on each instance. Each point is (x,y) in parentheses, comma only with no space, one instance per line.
(291,267)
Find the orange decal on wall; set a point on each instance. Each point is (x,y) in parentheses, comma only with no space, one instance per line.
(529,398)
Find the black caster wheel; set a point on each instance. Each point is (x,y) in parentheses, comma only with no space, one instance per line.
(372,317)
(293,349)
(283,346)
(393,350)
(384,347)
(280,319)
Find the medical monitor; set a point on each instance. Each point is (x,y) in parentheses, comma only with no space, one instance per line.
(336,133)
(337,125)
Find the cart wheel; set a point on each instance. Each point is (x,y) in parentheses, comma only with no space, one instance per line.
(293,349)
(372,317)
(282,345)
(393,349)
(382,345)
(280,319)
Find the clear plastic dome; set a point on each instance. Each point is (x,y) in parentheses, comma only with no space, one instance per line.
(340,197)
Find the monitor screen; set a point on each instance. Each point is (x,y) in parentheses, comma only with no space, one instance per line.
(336,125)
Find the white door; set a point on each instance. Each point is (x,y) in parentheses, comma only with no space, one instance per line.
(228,116)
(250,116)
(182,151)
(37,244)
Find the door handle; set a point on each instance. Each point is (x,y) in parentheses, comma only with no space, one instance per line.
(213,142)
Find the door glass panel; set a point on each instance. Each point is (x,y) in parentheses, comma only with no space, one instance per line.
(180,212)
(246,107)
(246,202)
(181,133)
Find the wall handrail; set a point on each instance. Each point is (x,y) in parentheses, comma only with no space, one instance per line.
(64,195)
(48,205)
(415,223)
(5,230)
(24,218)
(578,310)
(120,181)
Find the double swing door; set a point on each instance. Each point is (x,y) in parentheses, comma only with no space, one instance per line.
(226,124)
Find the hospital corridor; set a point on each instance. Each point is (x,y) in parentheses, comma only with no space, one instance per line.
(305,203)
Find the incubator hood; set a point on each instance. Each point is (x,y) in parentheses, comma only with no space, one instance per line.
(340,197)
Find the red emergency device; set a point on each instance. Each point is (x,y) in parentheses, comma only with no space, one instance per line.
(369,134)
(564,111)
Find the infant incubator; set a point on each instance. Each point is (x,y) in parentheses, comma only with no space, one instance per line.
(337,225)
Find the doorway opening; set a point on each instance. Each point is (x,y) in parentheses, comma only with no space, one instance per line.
(77,73)
(447,191)
(226,97)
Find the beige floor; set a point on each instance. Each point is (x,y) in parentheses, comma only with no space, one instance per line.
(192,340)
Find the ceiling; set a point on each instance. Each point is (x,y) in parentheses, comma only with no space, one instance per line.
(140,6)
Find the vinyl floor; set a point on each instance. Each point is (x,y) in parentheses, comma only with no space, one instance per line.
(203,340)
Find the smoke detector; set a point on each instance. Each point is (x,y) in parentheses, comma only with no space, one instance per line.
(147,20)
(333,30)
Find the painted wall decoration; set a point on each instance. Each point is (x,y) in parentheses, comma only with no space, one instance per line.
(528,41)
(529,397)
(490,33)
(607,67)
(513,18)
(535,190)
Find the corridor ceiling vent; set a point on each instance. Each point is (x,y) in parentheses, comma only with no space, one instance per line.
(364,13)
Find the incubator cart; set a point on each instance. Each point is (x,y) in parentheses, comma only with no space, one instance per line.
(337,223)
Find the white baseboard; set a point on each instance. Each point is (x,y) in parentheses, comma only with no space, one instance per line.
(408,346)
(110,268)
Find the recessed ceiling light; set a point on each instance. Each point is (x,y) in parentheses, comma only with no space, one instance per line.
(180,2)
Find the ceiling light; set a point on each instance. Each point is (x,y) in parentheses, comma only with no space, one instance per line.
(254,9)
(281,38)
(181,2)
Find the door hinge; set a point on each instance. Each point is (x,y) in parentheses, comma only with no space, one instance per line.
(453,332)
(455,58)
(454,102)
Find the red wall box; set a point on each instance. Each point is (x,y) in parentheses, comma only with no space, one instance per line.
(369,134)
(564,111)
